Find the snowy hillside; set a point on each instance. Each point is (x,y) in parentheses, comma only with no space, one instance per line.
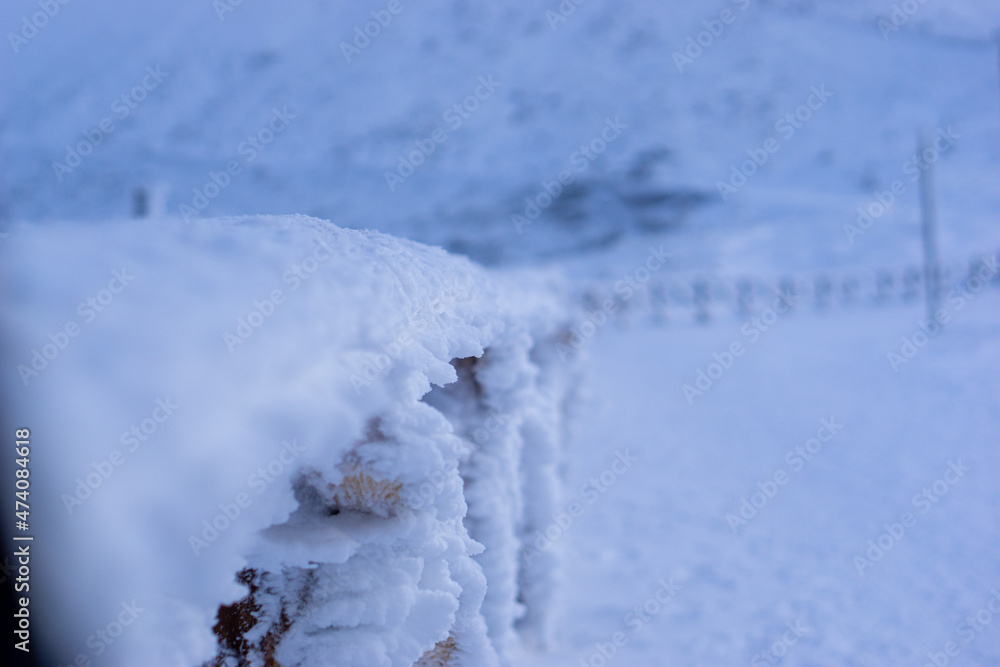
(353,126)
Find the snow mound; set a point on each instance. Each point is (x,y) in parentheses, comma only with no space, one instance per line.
(280,440)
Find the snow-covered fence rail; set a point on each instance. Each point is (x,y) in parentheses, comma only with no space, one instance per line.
(704,298)
(284,442)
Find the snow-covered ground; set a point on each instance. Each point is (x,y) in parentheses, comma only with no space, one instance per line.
(665,521)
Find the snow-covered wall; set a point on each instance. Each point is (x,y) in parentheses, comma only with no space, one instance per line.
(278,439)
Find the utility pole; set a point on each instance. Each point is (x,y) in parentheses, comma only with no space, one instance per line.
(928,217)
(996,37)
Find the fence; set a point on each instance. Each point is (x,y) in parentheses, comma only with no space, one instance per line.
(704,298)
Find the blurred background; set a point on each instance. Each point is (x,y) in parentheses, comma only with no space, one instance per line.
(360,103)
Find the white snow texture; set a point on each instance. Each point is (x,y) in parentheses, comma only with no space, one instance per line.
(364,428)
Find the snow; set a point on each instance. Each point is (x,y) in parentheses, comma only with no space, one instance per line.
(665,518)
(354,120)
(629,540)
(284,362)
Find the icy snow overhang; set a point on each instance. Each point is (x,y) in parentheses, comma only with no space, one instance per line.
(171,374)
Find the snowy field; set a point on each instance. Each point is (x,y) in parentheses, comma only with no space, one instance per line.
(806,486)
(801,559)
